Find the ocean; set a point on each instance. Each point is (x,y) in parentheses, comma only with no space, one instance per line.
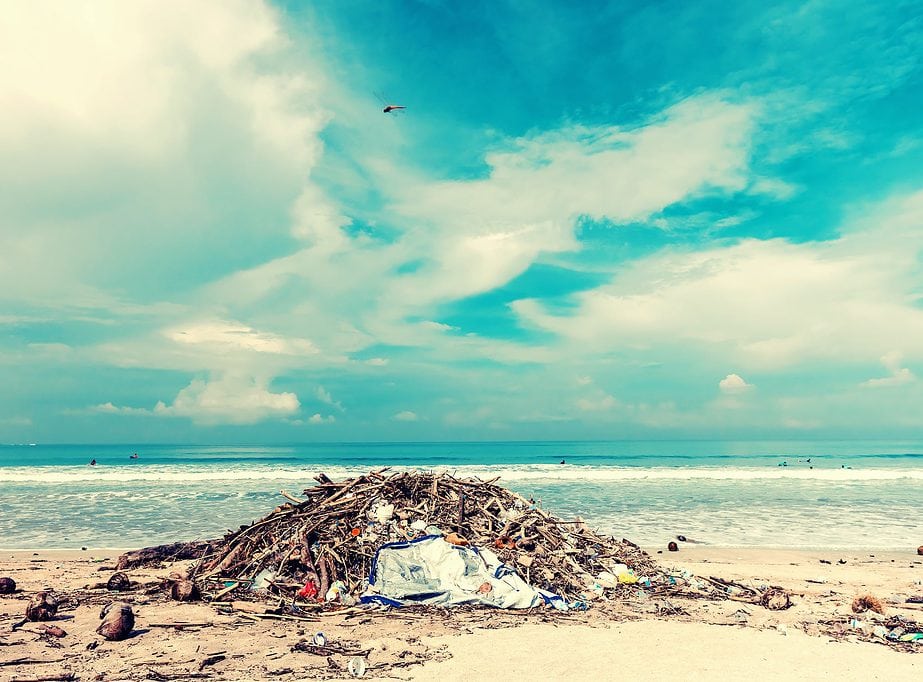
(804,494)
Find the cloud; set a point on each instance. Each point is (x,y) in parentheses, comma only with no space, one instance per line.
(324,396)
(229,400)
(733,383)
(17,420)
(222,122)
(599,403)
(233,336)
(109,408)
(406,416)
(437,326)
(899,375)
(377,362)
(762,303)
(318,418)
(489,230)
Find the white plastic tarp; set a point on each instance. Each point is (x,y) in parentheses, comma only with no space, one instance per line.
(430,570)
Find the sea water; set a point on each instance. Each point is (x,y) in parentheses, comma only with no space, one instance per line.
(808,494)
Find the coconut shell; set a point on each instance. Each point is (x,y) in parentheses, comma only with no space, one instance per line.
(119,582)
(868,602)
(185,590)
(54,631)
(673,547)
(7,586)
(920,550)
(118,621)
(42,606)
(775,599)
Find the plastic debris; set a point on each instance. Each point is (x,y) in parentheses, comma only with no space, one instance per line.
(309,591)
(335,591)
(263,579)
(357,666)
(384,512)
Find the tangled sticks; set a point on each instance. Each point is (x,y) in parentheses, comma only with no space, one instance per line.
(308,547)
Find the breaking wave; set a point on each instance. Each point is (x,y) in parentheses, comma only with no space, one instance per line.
(531,472)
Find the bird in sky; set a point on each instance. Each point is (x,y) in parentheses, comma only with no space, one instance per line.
(388,107)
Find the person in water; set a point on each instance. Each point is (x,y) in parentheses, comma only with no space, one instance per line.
(92,462)
(134,456)
(563,462)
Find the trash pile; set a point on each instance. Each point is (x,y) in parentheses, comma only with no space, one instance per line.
(425,538)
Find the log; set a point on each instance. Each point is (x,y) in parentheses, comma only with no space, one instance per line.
(176,551)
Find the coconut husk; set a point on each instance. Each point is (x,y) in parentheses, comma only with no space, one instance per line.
(42,606)
(868,602)
(118,621)
(920,550)
(54,631)
(775,599)
(184,590)
(119,582)
(7,586)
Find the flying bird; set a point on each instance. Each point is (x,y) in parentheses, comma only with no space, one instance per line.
(388,107)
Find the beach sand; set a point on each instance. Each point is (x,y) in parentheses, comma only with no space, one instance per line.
(708,640)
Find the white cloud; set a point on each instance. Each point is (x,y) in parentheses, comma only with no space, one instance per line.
(492,229)
(774,187)
(109,408)
(733,383)
(229,400)
(318,418)
(599,403)
(437,326)
(108,108)
(763,304)
(377,362)
(16,421)
(406,416)
(324,396)
(224,335)
(898,375)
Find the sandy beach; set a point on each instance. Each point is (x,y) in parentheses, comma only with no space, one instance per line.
(617,639)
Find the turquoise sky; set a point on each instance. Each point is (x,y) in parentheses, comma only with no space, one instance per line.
(609,220)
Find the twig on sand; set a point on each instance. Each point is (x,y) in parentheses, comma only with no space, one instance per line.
(30,661)
(59,677)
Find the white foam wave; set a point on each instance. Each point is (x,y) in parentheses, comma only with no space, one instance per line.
(506,473)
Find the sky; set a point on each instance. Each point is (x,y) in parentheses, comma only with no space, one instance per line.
(598,220)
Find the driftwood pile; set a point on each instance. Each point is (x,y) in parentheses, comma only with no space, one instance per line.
(307,546)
